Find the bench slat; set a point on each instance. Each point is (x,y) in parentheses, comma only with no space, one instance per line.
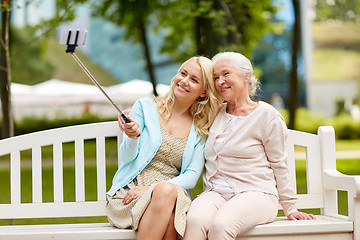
(65,134)
(15,177)
(89,231)
(291,164)
(119,140)
(313,166)
(52,210)
(36,175)
(79,171)
(101,168)
(58,172)
(322,226)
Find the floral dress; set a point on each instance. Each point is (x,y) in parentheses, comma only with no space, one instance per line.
(165,165)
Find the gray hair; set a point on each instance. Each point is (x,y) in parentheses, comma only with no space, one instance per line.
(243,65)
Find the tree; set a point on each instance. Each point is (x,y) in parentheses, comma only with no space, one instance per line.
(135,15)
(199,27)
(293,91)
(208,26)
(5,70)
(64,13)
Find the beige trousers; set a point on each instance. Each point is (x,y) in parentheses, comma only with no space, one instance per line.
(217,216)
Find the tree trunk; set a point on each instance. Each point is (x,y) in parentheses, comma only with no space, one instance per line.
(293,91)
(5,76)
(149,64)
(205,37)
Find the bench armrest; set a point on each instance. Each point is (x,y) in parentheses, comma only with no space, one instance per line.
(335,180)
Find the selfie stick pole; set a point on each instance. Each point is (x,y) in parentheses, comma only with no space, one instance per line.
(71,50)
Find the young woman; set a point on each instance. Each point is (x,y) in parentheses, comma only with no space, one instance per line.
(149,189)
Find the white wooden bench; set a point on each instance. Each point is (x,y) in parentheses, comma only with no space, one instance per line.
(323,182)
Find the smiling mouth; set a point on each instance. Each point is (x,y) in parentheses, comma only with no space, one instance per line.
(182,88)
(224,89)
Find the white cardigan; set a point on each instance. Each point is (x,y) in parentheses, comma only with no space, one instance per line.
(251,156)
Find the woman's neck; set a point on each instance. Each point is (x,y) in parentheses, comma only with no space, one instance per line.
(241,107)
(180,121)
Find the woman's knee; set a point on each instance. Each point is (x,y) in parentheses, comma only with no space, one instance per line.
(193,218)
(221,228)
(164,192)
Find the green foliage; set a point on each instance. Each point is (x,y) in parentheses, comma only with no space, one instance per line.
(193,27)
(28,45)
(345,126)
(128,13)
(208,26)
(309,122)
(5,6)
(340,10)
(29,65)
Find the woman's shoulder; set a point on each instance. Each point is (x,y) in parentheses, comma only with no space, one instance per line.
(145,103)
(269,110)
(145,100)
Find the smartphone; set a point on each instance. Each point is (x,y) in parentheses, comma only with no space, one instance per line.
(68,37)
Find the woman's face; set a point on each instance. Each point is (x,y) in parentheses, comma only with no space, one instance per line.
(230,83)
(189,83)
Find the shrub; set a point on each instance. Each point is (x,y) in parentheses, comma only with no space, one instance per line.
(345,126)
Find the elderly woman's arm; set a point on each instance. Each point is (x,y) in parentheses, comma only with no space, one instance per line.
(276,153)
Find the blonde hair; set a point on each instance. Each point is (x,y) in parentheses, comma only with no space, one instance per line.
(204,109)
(243,65)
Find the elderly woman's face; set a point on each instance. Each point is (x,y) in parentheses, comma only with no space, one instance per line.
(229,81)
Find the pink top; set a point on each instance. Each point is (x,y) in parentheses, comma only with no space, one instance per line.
(250,156)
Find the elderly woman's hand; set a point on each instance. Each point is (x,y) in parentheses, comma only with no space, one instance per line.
(300,216)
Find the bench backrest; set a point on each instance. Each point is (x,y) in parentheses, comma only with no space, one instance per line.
(313,198)
(57,137)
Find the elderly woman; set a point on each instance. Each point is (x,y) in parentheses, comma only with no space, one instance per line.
(245,173)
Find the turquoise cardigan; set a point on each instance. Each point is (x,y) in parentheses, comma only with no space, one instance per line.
(136,154)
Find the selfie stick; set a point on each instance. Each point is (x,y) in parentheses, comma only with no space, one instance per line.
(71,49)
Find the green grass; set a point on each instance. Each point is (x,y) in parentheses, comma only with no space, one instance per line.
(336,64)
(345,145)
